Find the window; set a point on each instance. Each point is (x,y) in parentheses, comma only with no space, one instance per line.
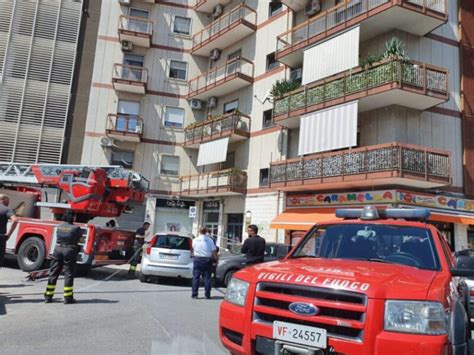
(264,181)
(133,59)
(135,23)
(267,118)
(169,165)
(178,70)
(229,162)
(231,106)
(182,25)
(274,8)
(123,158)
(174,117)
(271,61)
(235,55)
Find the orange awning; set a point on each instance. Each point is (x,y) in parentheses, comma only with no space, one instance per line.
(302,218)
(461,219)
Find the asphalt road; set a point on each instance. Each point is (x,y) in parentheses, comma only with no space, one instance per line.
(114,315)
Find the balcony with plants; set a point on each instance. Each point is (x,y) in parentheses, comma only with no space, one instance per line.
(234,125)
(389,79)
(130,78)
(418,17)
(234,75)
(217,183)
(136,30)
(379,165)
(231,27)
(125,127)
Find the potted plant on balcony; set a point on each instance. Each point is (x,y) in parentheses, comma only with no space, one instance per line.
(282,87)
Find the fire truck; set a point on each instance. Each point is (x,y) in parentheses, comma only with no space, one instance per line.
(375,282)
(89,191)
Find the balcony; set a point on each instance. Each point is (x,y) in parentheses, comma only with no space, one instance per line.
(229,28)
(380,165)
(389,82)
(219,183)
(232,76)
(236,126)
(374,16)
(208,6)
(137,30)
(125,127)
(130,78)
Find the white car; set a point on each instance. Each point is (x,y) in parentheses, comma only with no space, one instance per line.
(167,255)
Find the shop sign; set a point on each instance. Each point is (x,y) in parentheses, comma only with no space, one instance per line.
(347,198)
(435,201)
(166,203)
(211,205)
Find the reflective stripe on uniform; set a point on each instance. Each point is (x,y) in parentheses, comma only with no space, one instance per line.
(49,293)
(133,268)
(68,294)
(67,288)
(51,287)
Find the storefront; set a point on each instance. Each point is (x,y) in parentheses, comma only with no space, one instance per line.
(211,210)
(451,215)
(173,216)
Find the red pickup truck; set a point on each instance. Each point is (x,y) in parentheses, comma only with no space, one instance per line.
(376,282)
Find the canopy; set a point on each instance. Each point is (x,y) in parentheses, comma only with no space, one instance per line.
(302,218)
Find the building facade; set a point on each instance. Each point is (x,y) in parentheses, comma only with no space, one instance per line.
(368,103)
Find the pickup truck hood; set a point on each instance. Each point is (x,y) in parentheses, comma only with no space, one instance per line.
(376,280)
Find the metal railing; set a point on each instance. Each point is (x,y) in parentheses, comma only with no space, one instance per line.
(130,73)
(239,66)
(427,78)
(241,13)
(426,163)
(224,180)
(217,126)
(340,14)
(136,25)
(125,123)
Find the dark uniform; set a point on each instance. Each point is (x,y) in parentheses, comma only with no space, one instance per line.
(137,250)
(65,254)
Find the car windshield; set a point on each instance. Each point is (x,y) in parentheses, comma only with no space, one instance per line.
(410,246)
(172,242)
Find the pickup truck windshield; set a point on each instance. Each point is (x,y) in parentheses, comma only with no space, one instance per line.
(409,246)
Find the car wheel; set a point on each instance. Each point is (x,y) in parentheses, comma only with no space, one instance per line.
(228,276)
(32,254)
(142,277)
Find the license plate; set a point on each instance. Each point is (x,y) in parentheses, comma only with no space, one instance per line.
(300,334)
(169,256)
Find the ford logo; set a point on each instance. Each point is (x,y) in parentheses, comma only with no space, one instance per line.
(303,309)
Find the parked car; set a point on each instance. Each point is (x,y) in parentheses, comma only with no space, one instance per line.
(167,255)
(466,258)
(232,262)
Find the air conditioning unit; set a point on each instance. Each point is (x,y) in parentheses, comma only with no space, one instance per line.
(125,2)
(195,104)
(127,46)
(312,7)
(107,142)
(212,102)
(217,11)
(296,74)
(215,54)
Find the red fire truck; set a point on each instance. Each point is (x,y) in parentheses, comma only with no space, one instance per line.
(90,191)
(374,283)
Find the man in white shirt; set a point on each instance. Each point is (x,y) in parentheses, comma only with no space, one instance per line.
(204,251)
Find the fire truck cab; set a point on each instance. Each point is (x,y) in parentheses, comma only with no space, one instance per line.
(376,282)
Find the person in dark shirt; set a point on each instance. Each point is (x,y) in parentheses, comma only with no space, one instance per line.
(6,213)
(254,246)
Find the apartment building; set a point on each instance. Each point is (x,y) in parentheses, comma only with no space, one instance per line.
(181,92)
(39,47)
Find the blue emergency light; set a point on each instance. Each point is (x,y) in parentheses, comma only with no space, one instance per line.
(371,213)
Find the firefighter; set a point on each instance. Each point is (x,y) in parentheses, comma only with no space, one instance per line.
(138,248)
(65,254)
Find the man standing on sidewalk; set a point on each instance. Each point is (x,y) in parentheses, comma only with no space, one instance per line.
(6,213)
(204,251)
(254,246)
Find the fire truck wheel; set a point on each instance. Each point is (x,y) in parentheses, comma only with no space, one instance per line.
(32,254)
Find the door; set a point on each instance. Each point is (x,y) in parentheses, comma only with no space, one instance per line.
(235,224)
(233,61)
(211,222)
(129,72)
(131,111)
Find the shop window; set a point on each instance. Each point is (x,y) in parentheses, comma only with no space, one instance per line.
(182,25)
(272,63)
(268,118)
(169,165)
(178,70)
(274,8)
(264,177)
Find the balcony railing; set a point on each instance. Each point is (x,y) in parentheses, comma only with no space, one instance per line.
(399,160)
(126,125)
(218,182)
(235,68)
(130,73)
(240,14)
(223,126)
(422,78)
(136,25)
(322,24)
